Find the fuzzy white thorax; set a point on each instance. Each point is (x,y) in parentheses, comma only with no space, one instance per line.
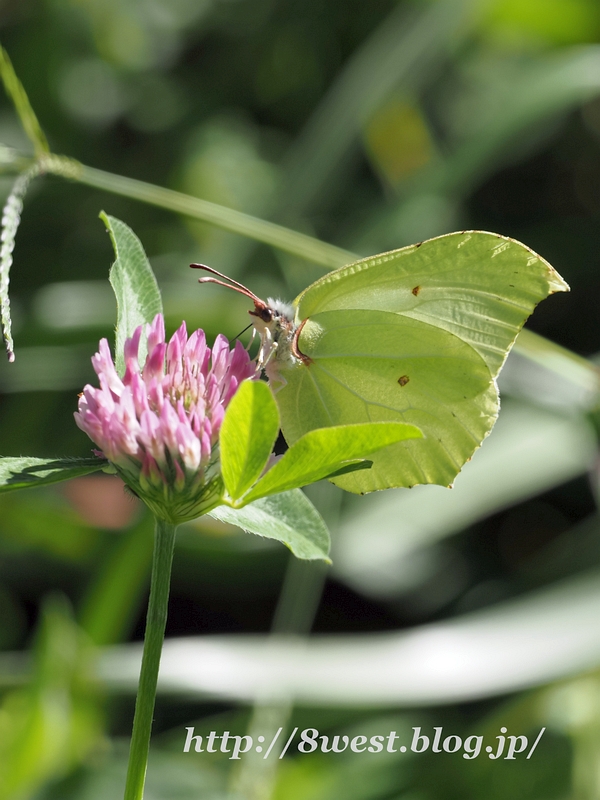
(281,308)
(276,337)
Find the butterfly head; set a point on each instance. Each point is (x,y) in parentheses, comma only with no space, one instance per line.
(273,321)
(272,314)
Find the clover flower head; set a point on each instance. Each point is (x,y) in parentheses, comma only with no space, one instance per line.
(159,424)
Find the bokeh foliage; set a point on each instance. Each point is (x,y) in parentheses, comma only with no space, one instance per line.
(370,126)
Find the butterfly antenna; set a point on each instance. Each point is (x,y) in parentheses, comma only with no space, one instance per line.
(229,283)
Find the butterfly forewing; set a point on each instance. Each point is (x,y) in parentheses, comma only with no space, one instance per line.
(479,286)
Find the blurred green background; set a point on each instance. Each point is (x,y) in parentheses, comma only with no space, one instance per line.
(370,126)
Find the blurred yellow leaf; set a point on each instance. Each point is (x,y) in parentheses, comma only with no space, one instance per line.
(398,141)
(557,21)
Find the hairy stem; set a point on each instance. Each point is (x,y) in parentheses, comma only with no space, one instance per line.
(11,217)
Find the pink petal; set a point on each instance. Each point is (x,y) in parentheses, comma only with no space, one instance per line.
(155,332)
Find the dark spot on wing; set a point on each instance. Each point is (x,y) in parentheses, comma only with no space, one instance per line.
(418,244)
(416,290)
(403,380)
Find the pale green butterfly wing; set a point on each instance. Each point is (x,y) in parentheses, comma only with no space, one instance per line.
(373,366)
(416,335)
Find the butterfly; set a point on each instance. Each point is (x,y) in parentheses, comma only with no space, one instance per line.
(415,335)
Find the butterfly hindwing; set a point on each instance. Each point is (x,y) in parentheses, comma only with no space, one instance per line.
(374,366)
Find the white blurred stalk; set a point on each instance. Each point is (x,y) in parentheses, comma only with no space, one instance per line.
(293,619)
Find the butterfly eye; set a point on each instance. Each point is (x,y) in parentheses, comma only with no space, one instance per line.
(266,314)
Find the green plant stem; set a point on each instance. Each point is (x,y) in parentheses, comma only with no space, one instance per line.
(261,230)
(164,542)
(533,347)
(16,92)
